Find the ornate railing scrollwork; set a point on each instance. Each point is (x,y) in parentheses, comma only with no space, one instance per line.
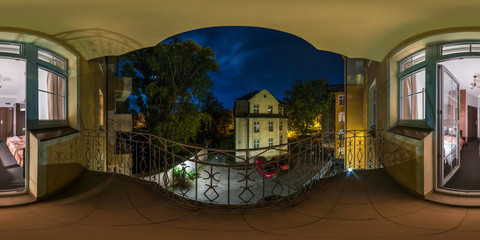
(202,176)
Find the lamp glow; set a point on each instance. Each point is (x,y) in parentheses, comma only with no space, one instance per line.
(350,169)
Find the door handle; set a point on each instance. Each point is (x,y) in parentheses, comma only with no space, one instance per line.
(1,121)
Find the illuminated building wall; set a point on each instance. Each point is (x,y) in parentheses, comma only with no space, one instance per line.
(340,118)
(258,119)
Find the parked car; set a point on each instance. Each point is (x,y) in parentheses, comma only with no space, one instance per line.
(281,164)
(266,169)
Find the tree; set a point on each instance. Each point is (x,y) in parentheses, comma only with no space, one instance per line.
(307,103)
(170,81)
(218,129)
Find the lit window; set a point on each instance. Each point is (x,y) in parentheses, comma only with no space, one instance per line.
(270,109)
(455,48)
(341,100)
(255,108)
(51,95)
(341,117)
(256,126)
(52,59)
(270,126)
(270,142)
(280,125)
(341,134)
(412,60)
(412,96)
(10,48)
(475,47)
(256,143)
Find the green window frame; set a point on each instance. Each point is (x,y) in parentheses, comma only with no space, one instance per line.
(41,61)
(412,87)
(52,88)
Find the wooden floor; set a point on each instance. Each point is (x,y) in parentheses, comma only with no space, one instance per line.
(467,176)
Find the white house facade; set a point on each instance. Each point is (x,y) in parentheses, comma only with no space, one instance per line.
(260,122)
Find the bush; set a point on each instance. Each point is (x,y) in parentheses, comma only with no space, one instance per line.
(183,178)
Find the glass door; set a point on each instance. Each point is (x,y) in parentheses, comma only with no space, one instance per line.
(449,125)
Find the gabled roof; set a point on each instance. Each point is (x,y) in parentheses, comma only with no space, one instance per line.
(337,87)
(248,96)
(252,94)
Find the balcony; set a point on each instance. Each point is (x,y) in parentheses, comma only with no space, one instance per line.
(214,178)
(362,204)
(124,195)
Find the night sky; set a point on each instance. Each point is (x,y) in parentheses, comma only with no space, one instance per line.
(252,58)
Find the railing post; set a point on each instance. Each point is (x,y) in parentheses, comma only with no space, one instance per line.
(150,157)
(107,155)
(289,170)
(323,152)
(196,177)
(354,149)
(228,191)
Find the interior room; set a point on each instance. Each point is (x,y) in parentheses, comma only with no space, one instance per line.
(465,168)
(12,124)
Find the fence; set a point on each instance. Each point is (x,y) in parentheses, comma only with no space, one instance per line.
(202,176)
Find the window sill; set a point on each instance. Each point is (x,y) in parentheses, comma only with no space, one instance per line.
(414,124)
(411,132)
(51,133)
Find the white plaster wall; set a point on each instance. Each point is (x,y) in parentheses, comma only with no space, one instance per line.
(478,104)
(244,131)
(472,100)
(4,101)
(264,99)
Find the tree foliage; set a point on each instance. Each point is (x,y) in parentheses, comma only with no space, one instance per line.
(170,82)
(307,102)
(221,124)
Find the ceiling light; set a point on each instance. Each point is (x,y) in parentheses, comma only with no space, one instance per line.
(474,83)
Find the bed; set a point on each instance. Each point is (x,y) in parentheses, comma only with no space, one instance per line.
(17,148)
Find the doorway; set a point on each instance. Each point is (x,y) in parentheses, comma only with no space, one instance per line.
(449,125)
(472,121)
(12,124)
(459,102)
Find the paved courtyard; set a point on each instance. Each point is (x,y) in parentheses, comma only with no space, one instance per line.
(222,184)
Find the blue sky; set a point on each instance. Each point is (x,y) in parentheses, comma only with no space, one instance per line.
(252,58)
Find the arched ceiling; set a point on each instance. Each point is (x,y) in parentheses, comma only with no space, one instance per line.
(367,29)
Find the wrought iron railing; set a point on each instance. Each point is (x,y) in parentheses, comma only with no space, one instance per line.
(220,177)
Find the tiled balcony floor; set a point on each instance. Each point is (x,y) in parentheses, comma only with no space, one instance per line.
(364,205)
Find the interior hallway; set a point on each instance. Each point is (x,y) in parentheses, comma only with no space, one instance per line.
(362,205)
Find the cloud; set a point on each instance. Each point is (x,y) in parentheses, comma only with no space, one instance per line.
(252,58)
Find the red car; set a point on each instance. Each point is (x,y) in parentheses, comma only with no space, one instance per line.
(282,164)
(265,168)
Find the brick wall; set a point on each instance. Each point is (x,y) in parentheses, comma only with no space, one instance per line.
(463,113)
